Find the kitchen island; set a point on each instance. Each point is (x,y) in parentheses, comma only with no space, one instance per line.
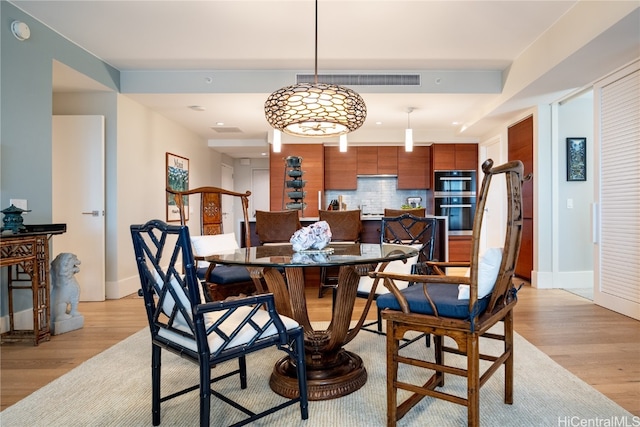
(370,233)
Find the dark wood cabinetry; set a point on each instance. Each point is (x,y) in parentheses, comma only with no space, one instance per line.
(460,248)
(388,160)
(340,169)
(313,167)
(414,169)
(520,147)
(455,156)
(377,160)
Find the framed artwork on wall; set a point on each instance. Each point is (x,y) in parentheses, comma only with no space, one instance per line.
(177,171)
(576,159)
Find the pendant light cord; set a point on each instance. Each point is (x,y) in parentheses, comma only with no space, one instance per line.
(316,60)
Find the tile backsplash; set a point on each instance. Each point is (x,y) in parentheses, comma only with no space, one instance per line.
(374,193)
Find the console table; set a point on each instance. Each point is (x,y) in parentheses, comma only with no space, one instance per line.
(26,254)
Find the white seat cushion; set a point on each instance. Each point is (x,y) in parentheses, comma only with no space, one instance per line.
(488,268)
(366,283)
(247,333)
(215,244)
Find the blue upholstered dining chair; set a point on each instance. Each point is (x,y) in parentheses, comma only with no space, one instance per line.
(221,281)
(206,333)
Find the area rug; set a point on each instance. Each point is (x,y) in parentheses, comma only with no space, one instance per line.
(114,389)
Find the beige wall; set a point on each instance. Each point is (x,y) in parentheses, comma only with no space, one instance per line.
(144,137)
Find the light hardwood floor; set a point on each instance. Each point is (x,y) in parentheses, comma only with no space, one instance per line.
(599,346)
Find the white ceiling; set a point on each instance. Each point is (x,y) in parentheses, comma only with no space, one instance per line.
(252,40)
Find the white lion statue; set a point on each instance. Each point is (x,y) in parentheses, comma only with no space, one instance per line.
(65,290)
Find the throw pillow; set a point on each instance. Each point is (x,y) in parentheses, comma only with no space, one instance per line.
(488,267)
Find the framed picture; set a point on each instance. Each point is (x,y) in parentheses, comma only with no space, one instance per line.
(576,159)
(177,179)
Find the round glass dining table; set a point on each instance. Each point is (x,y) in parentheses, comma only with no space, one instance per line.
(332,371)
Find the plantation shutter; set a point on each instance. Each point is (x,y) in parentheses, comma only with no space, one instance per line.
(618,254)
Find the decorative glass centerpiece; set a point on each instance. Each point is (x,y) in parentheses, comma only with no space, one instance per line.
(312,238)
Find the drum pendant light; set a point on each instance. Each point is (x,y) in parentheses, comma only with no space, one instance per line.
(315,109)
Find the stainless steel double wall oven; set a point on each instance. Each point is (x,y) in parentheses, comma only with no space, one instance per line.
(455,197)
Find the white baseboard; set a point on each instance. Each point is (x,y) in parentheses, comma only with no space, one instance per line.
(122,288)
(562,280)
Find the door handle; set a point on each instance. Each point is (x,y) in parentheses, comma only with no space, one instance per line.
(92,213)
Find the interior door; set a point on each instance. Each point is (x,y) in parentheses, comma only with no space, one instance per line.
(521,148)
(228,217)
(617,192)
(78,198)
(259,199)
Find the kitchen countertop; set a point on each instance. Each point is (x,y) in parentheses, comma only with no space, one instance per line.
(363,217)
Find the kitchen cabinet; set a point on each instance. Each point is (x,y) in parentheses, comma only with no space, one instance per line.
(340,169)
(377,160)
(460,248)
(313,167)
(414,169)
(454,156)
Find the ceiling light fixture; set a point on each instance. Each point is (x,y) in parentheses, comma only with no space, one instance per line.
(408,133)
(315,109)
(343,143)
(277,141)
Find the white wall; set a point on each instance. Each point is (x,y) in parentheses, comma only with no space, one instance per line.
(144,137)
(575,246)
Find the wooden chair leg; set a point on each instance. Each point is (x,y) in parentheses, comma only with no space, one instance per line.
(473,381)
(392,375)
(323,278)
(508,364)
(438,353)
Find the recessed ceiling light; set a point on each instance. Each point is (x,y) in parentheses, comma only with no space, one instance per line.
(219,123)
(378,123)
(197,107)
(455,123)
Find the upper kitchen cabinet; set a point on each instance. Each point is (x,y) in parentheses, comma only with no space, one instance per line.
(313,167)
(455,156)
(340,169)
(414,169)
(377,160)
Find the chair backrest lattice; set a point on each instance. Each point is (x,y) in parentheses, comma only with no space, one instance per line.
(211,212)
(408,229)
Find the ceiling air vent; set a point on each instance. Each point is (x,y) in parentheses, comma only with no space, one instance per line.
(362,79)
(227,129)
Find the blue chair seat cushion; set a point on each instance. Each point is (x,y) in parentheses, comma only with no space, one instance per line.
(225,274)
(444,296)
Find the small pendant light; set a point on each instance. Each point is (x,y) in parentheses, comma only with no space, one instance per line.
(343,143)
(408,133)
(277,141)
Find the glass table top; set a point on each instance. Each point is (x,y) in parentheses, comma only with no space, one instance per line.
(334,254)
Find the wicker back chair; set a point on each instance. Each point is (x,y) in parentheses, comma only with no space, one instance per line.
(346,226)
(276,226)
